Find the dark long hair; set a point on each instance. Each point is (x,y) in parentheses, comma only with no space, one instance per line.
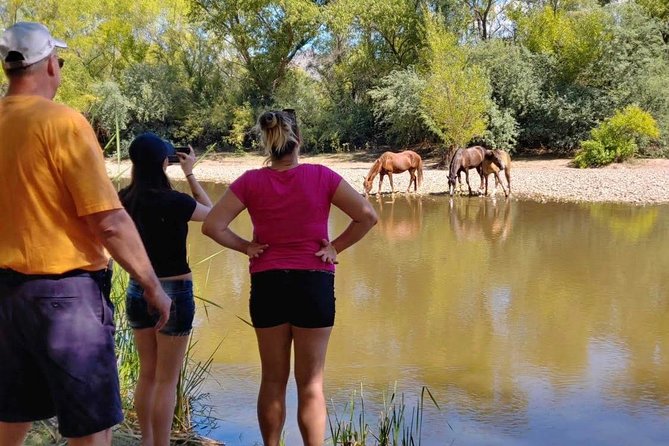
(142,181)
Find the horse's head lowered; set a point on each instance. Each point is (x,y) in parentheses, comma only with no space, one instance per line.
(367,185)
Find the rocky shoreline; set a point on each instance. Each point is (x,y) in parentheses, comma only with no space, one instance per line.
(639,182)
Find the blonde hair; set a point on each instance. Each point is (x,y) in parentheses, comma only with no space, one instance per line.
(279,134)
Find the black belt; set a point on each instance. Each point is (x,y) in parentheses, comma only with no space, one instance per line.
(15,276)
(103,277)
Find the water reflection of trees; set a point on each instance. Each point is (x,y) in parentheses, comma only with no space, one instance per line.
(563,282)
(526,293)
(629,222)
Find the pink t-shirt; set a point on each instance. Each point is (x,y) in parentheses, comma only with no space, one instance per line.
(289,210)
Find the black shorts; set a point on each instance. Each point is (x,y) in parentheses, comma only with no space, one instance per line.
(57,353)
(303,298)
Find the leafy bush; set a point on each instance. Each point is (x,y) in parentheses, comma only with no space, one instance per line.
(397,106)
(618,138)
(502,131)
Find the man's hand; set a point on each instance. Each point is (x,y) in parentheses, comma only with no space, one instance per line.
(159,302)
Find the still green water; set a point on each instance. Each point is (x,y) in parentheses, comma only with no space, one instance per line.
(530,323)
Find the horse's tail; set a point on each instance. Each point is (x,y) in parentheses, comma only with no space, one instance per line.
(419,176)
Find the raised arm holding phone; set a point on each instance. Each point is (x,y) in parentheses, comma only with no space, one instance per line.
(161,215)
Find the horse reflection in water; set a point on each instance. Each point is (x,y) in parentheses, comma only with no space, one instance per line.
(401,223)
(476,220)
(470,158)
(390,163)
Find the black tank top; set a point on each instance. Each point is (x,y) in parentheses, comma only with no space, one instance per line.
(162,220)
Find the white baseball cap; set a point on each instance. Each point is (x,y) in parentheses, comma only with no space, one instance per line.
(32,42)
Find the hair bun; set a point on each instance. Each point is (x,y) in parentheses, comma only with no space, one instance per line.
(268,120)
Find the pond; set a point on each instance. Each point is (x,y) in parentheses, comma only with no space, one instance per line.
(530,323)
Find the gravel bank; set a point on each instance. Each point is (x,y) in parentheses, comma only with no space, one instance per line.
(636,182)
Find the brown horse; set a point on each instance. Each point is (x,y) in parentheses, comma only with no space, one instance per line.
(390,163)
(469,158)
(488,167)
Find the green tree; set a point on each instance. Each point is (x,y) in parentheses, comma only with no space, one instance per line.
(389,30)
(397,106)
(265,34)
(574,39)
(659,10)
(457,93)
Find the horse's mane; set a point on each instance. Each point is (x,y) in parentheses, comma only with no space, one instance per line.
(453,167)
(374,170)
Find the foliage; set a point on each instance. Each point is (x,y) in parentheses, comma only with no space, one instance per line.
(574,38)
(457,93)
(390,29)
(241,124)
(502,129)
(191,402)
(110,109)
(397,106)
(617,138)
(265,34)
(200,71)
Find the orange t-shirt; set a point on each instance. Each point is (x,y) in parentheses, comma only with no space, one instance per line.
(52,173)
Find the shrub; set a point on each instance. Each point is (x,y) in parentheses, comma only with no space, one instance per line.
(618,138)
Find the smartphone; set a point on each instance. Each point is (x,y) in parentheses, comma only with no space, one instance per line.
(174,159)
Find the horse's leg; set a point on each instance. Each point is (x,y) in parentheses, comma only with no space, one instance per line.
(498,180)
(486,185)
(413,178)
(381,174)
(507,172)
(468,185)
(392,187)
(479,170)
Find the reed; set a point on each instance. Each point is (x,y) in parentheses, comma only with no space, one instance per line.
(192,412)
(394,427)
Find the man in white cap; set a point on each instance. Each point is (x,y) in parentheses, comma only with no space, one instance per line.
(59,212)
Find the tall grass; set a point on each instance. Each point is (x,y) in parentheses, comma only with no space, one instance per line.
(192,413)
(394,427)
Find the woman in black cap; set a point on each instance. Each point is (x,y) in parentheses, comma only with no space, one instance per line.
(161,215)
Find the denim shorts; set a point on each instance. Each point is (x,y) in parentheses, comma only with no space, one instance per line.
(182,310)
(303,298)
(57,352)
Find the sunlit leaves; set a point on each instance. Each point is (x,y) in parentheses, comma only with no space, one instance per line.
(617,138)
(457,93)
(576,39)
(265,34)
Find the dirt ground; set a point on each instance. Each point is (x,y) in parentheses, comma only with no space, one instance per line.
(640,181)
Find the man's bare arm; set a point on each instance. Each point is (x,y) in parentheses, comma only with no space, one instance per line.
(116,231)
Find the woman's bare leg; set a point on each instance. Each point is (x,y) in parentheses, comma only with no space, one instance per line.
(311,346)
(13,434)
(274,346)
(145,340)
(169,360)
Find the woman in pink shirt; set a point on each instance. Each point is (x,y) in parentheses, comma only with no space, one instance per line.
(292,264)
